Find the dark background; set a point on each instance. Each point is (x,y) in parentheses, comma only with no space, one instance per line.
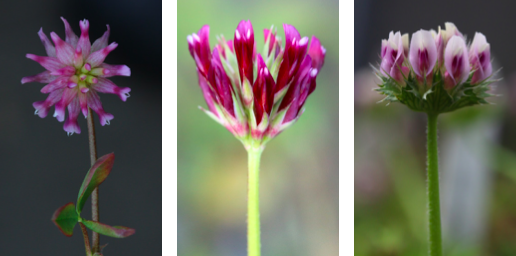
(41,168)
(477,145)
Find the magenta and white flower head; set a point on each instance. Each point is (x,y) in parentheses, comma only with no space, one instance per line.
(438,73)
(256,95)
(75,73)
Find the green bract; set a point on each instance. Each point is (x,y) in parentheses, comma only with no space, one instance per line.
(434,98)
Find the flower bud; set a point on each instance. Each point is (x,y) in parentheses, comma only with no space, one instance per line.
(423,53)
(456,62)
(393,58)
(480,58)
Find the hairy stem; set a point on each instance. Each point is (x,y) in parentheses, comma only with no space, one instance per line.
(86,239)
(95,194)
(434,209)
(253,202)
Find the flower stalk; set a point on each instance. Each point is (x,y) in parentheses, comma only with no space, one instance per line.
(253,201)
(95,194)
(434,209)
(86,239)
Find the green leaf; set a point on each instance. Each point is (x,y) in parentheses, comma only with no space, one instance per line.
(112,231)
(66,218)
(96,175)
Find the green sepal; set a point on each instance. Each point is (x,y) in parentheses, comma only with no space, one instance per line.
(112,231)
(274,69)
(95,176)
(66,218)
(436,98)
(247,93)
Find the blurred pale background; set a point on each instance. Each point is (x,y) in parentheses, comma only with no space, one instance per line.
(477,144)
(299,169)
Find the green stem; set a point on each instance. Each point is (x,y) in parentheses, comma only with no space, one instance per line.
(253,202)
(434,209)
(95,195)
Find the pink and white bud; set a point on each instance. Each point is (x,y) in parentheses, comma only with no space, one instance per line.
(393,58)
(456,62)
(480,58)
(423,53)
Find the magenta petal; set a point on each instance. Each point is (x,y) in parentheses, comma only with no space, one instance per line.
(96,58)
(101,42)
(43,77)
(94,103)
(57,84)
(71,37)
(84,40)
(83,103)
(244,50)
(106,86)
(49,48)
(71,125)
(115,70)
(317,53)
(49,63)
(42,107)
(64,51)
(291,35)
(66,71)
(291,97)
(68,96)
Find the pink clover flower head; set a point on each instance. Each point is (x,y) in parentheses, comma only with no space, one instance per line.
(256,94)
(440,72)
(75,74)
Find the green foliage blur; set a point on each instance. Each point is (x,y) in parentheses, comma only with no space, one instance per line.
(299,168)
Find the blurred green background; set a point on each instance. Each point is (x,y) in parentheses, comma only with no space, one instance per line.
(477,145)
(299,168)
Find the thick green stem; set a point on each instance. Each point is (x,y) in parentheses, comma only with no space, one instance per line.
(434,209)
(95,195)
(253,202)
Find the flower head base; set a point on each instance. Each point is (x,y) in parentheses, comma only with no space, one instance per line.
(442,74)
(75,72)
(256,96)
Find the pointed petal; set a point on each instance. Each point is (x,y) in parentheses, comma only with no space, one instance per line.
(94,103)
(115,70)
(49,63)
(68,96)
(84,40)
(43,77)
(57,84)
(66,71)
(317,53)
(83,103)
(106,86)
(64,51)
(291,35)
(71,125)
(49,48)
(71,37)
(102,41)
(42,107)
(96,58)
